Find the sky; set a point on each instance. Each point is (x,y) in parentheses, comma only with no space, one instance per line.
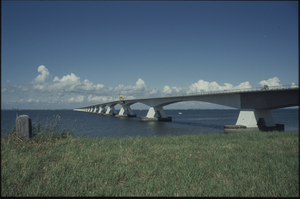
(70,54)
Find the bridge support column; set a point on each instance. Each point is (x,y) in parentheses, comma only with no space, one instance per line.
(102,109)
(111,107)
(95,110)
(122,110)
(151,113)
(254,120)
(131,114)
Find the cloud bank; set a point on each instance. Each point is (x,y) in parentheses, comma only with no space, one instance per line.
(71,92)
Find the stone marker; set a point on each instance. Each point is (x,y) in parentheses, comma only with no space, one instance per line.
(23,127)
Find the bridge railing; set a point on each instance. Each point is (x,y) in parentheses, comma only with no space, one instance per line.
(264,88)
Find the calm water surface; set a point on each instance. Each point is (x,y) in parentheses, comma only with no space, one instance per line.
(189,122)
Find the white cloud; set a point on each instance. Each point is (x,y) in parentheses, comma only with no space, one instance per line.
(100,99)
(88,85)
(169,90)
(44,74)
(38,87)
(69,91)
(8,81)
(30,100)
(154,92)
(140,85)
(99,86)
(79,98)
(293,85)
(243,85)
(68,83)
(139,90)
(271,82)
(129,97)
(67,78)
(24,88)
(200,86)
(204,86)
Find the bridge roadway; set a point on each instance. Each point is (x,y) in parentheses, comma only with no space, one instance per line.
(254,104)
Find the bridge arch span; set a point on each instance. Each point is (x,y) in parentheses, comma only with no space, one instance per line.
(230,100)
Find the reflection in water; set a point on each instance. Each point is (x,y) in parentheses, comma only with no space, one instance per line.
(151,125)
(210,118)
(200,124)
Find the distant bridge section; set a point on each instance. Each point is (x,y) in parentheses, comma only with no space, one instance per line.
(254,104)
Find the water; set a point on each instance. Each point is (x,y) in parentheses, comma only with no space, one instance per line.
(189,122)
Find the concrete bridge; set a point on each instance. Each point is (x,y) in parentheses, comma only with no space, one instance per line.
(254,104)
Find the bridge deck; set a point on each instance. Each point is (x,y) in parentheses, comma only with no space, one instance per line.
(220,92)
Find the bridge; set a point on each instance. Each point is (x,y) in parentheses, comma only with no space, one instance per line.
(254,104)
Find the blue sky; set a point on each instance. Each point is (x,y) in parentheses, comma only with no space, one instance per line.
(74,53)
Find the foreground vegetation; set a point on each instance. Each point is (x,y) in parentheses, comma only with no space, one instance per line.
(59,164)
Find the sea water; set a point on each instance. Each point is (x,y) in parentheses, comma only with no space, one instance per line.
(189,122)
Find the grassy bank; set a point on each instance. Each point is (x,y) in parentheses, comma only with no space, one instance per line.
(246,164)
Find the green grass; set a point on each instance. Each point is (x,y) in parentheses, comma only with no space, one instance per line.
(245,164)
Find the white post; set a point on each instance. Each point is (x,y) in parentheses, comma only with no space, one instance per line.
(23,127)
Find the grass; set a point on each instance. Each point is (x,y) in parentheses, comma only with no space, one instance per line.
(245,164)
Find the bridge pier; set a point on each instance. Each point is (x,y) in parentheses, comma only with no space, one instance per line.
(111,107)
(95,109)
(151,113)
(102,109)
(122,110)
(254,120)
